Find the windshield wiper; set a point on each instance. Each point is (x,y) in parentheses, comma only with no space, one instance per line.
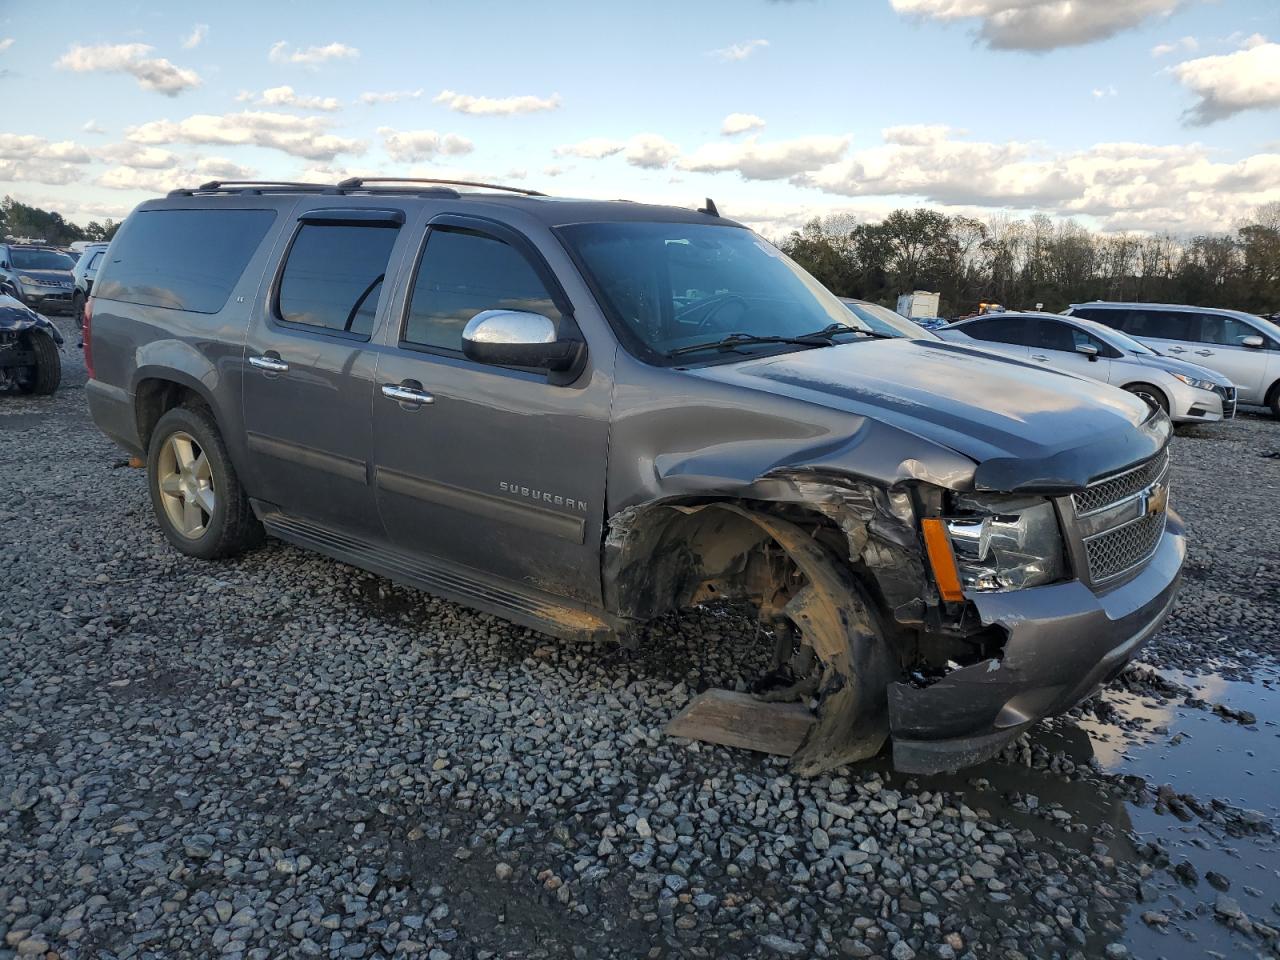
(735,340)
(831,329)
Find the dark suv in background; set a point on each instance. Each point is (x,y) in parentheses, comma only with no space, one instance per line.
(38,275)
(582,415)
(82,277)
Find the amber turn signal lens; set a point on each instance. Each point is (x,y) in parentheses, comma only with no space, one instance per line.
(943,561)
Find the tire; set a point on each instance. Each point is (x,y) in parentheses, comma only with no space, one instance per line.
(1149,393)
(47,375)
(202,510)
(1273,399)
(77,309)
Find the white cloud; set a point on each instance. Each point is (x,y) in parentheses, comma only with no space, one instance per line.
(152,73)
(650,151)
(196,36)
(918,134)
(93,126)
(186,173)
(137,155)
(740,123)
(1041,24)
(738,51)
(390,96)
(593,148)
(411,146)
(767,161)
(282,52)
(5,44)
(286,96)
(1100,93)
(496,106)
(1186,44)
(1228,84)
(1121,184)
(58,174)
(305,137)
(25,146)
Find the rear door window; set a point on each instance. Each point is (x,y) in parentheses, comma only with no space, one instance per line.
(1162,324)
(333,276)
(1051,335)
(1223,330)
(182,259)
(999,330)
(463,273)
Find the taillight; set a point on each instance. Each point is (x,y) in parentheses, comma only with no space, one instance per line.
(88,338)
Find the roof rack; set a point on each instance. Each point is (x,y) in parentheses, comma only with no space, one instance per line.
(251,186)
(355,183)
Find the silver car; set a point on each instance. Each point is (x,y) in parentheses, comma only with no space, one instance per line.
(885,322)
(1240,346)
(1186,391)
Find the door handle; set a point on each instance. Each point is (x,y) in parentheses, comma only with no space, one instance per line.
(271,364)
(1041,359)
(1204,353)
(1177,350)
(406,394)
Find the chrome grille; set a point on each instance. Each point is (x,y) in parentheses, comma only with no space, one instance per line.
(1125,547)
(1228,395)
(1107,492)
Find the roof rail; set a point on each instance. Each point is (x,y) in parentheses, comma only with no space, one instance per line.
(249,186)
(355,183)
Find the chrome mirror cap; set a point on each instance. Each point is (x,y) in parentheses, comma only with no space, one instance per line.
(517,338)
(509,327)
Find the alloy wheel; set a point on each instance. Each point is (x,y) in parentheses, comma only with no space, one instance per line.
(186,485)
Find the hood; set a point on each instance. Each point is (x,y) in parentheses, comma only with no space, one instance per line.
(1027,428)
(58,277)
(1173,365)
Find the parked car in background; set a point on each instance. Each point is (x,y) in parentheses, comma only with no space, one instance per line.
(919,303)
(883,321)
(29,344)
(1187,392)
(1240,346)
(931,323)
(82,278)
(645,408)
(37,275)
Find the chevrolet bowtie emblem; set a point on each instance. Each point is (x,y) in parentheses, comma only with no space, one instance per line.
(1157,500)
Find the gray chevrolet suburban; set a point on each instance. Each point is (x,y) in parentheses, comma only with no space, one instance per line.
(581,415)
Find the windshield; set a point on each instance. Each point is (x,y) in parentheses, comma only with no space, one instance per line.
(668,286)
(40,260)
(883,320)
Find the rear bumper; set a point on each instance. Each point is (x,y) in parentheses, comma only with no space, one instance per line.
(1063,642)
(112,411)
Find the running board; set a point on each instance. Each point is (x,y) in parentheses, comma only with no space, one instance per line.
(539,612)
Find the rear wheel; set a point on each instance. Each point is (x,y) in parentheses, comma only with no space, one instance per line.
(1273,399)
(1153,395)
(43,377)
(195,493)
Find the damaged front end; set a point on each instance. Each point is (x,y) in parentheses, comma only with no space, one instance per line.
(19,324)
(950,664)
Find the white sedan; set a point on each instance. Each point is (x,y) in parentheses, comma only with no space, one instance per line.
(1187,392)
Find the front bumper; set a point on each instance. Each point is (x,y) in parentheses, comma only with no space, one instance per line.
(47,299)
(1063,642)
(1192,405)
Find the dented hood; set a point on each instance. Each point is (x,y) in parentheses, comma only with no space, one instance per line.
(1027,428)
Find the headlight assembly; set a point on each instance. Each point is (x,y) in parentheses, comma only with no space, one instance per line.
(1004,542)
(1195,382)
(30,281)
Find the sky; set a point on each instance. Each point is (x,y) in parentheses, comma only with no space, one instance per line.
(1125,115)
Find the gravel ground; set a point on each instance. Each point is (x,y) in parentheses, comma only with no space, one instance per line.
(281,755)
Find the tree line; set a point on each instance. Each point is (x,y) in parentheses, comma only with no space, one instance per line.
(1022,263)
(22,220)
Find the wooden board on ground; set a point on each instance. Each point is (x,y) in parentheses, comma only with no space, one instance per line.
(734,719)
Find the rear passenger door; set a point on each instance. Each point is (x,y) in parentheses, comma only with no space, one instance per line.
(1006,335)
(308,386)
(498,473)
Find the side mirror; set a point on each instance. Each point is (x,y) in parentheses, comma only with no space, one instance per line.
(515,338)
(1089,350)
(1254,342)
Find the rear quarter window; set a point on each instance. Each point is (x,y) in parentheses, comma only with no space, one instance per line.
(182,259)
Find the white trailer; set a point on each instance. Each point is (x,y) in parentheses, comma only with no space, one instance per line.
(920,303)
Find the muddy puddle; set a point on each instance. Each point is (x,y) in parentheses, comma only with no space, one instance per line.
(1215,743)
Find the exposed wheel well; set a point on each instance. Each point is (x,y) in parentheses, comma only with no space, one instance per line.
(154,398)
(1273,394)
